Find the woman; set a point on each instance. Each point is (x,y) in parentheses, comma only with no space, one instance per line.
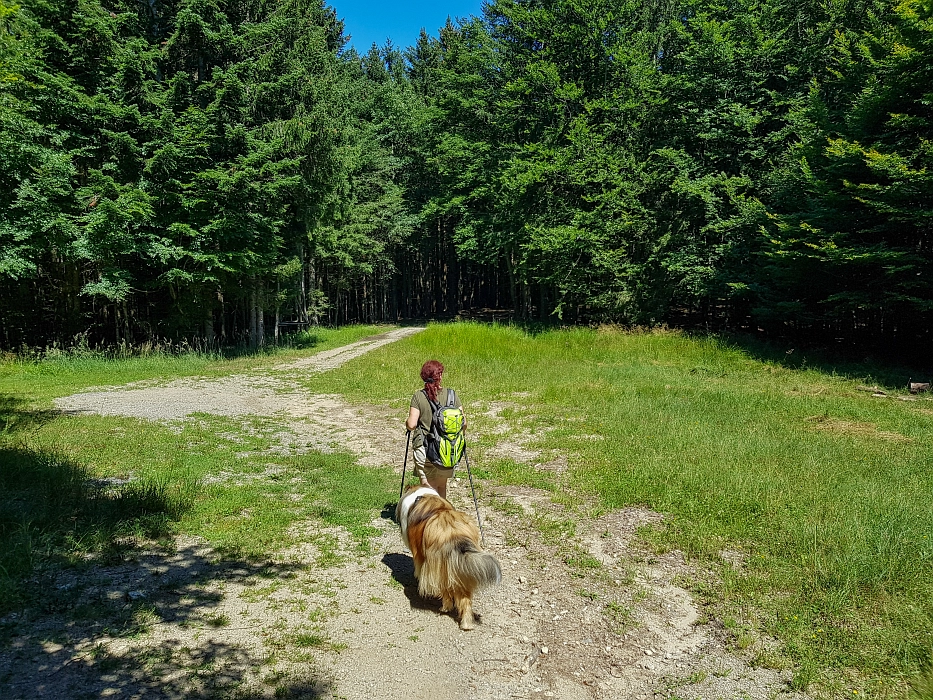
(419,422)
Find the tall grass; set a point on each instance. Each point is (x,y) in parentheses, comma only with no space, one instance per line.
(43,374)
(824,490)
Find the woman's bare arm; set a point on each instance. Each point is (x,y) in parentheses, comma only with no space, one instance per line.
(413,415)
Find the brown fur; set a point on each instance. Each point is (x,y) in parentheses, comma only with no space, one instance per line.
(449,562)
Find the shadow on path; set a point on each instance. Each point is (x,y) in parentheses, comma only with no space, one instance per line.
(150,627)
(403,571)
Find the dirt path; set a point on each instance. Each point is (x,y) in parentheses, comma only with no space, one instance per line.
(584,611)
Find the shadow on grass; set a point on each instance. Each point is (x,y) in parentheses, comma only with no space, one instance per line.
(52,511)
(14,414)
(886,373)
(95,597)
(151,627)
(388,511)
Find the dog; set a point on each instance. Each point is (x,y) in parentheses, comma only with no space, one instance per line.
(444,543)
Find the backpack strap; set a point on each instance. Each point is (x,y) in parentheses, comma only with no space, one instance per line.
(451,398)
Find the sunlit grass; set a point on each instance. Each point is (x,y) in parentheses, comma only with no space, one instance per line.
(58,373)
(824,490)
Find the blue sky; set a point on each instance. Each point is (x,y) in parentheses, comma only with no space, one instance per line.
(371,21)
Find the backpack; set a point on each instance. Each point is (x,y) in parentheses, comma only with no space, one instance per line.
(444,443)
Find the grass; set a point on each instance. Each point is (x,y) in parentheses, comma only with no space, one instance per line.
(59,373)
(81,489)
(51,509)
(820,491)
(824,490)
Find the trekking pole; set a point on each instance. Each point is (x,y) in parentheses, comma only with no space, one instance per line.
(475,504)
(404,464)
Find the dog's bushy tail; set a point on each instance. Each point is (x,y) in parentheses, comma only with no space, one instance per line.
(474,569)
(462,567)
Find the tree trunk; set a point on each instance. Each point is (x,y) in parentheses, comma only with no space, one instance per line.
(260,315)
(209,325)
(302,302)
(253,321)
(223,316)
(313,286)
(510,263)
(277,316)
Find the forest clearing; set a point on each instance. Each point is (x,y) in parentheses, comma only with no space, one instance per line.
(199,453)
(675,517)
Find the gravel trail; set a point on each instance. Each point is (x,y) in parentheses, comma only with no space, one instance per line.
(620,628)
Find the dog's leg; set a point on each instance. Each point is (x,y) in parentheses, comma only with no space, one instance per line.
(446,603)
(465,608)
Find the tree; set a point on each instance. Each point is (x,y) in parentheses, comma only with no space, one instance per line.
(849,241)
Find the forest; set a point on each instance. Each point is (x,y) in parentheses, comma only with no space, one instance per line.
(220,171)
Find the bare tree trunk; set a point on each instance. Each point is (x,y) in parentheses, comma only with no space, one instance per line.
(277,316)
(302,290)
(510,264)
(313,285)
(223,316)
(209,324)
(260,315)
(253,324)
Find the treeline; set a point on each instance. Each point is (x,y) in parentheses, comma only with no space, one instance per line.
(220,170)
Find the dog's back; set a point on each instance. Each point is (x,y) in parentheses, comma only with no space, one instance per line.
(449,562)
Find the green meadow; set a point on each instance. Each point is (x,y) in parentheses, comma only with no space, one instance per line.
(823,491)
(804,501)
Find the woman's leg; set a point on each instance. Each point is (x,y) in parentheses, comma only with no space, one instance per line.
(437,478)
(439,484)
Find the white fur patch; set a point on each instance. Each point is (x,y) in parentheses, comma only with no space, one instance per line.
(407,502)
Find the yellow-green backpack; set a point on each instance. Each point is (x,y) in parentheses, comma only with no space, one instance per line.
(444,443)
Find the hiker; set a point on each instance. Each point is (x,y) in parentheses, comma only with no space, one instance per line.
(419,423)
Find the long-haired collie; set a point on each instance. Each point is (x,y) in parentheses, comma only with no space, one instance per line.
(444,543)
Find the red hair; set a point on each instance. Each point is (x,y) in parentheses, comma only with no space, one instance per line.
(431,372)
